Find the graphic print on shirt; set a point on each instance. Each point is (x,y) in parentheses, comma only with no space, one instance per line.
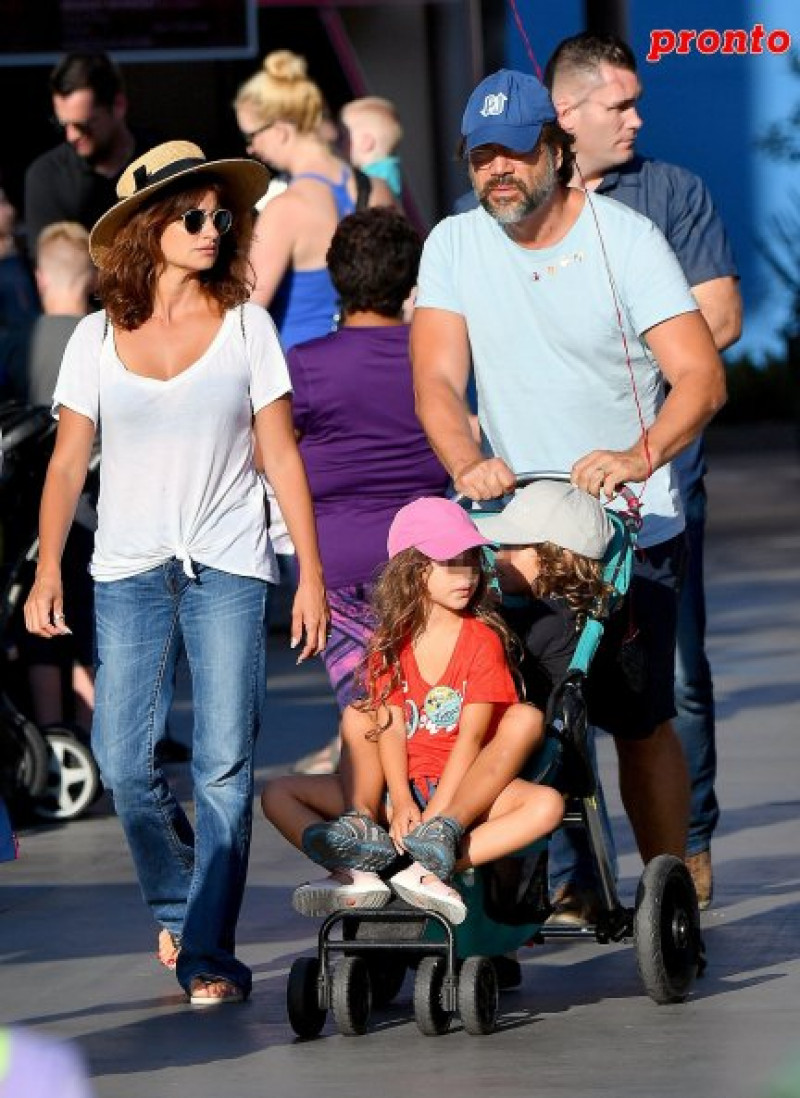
(441,711)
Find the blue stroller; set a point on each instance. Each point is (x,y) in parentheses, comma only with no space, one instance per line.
(363,956)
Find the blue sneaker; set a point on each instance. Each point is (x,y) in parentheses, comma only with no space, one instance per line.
(435,845)
(354,841)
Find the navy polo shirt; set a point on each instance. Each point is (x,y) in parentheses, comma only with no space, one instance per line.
(680,204)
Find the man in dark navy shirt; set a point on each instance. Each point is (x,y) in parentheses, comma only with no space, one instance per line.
(76,181)
(595,89)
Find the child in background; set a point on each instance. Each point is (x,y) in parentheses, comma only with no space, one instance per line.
(438,688)
(373,130)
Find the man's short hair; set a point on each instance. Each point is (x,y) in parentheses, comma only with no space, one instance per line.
(93,71)
(585,53)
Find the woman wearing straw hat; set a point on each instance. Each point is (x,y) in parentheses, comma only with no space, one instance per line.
(178,370)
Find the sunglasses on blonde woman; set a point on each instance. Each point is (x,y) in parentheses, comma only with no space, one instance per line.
(194,220)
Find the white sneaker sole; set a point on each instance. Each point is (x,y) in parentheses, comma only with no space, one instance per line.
(308,900)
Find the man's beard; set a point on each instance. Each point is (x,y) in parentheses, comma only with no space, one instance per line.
(531,198)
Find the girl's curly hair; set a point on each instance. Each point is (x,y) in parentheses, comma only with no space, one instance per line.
(401,605)
(571,576)
(127,280)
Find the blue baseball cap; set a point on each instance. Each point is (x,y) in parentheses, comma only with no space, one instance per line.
(508,108)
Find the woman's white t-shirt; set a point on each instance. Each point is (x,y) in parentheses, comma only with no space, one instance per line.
(177,477)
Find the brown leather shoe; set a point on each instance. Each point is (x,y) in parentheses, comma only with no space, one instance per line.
(574,909)
(699,866)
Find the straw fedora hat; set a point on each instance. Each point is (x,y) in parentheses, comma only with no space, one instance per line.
(245,182)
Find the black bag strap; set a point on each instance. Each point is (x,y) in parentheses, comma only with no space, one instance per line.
(363,189)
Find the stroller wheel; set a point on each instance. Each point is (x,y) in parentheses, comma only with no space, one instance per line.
(306,1017)
(430,1015)
(73,780)
(666,930)
(23,751)
(478,995)
(351,997)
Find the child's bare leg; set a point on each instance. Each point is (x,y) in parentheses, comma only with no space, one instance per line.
(523,813)
(360,770)
(518,735)
(293,802)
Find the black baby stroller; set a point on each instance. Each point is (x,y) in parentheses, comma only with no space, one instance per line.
(457,969)
(50,772)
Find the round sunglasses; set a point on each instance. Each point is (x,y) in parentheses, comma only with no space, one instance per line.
(194,220)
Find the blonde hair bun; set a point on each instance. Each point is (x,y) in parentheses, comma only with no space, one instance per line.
(285,65)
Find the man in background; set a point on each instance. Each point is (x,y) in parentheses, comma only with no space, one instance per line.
(76,180)
(596,91)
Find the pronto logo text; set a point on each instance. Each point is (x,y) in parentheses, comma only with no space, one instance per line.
(756,40)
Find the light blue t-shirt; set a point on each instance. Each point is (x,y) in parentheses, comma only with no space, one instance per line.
(552,377)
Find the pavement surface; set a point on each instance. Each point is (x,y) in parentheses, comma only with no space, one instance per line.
(77,947)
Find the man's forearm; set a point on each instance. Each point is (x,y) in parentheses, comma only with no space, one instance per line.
(682,418)
(445,419)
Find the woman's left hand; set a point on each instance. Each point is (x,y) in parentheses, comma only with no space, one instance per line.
(310,618)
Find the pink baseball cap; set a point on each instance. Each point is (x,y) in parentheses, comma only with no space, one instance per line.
(438,527)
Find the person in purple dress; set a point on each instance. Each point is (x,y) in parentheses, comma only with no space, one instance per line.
(364,450)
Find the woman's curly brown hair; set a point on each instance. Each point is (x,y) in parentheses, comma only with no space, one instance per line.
(571,576)
(128,277)
(401,604)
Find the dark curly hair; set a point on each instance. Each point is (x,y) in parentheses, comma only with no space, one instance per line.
(127,279)
(373,261)
(401,604)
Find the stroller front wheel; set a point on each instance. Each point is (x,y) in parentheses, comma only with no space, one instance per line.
(306,1017)
(351,998)
(431,1016)
(478,995)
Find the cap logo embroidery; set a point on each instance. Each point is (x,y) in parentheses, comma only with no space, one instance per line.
(494,104)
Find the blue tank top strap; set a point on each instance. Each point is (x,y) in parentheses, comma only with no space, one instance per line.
(344,203)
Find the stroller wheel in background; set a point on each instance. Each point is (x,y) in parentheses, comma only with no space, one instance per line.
(386,976)
(33,765)
(431,1016)
(666,930)
(73,780)
(306,1016)
(351,996)
(478,995)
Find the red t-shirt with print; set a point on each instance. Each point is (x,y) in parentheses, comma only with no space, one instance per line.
(477,672)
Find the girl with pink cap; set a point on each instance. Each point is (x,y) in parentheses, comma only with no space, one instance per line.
(437,688)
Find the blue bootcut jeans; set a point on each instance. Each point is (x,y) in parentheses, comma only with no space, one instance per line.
(694,690)
(192,878)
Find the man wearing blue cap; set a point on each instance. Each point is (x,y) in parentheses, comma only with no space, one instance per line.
(573,312)
(596,91)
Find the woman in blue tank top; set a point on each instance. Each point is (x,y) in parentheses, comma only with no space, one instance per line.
(279,111)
